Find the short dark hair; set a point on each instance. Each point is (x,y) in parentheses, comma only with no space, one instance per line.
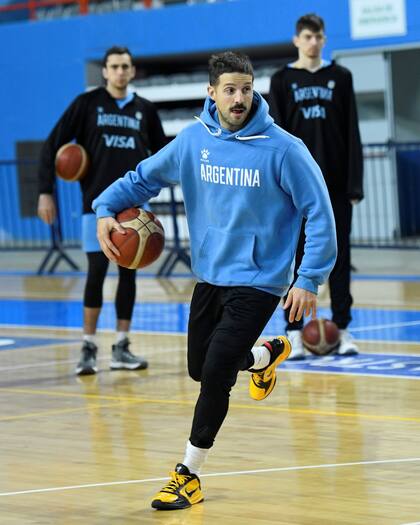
(116,50)
(311,21)
(228,62)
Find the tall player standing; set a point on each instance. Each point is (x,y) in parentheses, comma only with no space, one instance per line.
(314,99)
(118,129)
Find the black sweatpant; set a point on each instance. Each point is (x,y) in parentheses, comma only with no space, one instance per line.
(126,289)
(224,324)
(339,280)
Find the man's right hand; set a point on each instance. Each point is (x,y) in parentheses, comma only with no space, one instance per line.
(47,210)
(103,229)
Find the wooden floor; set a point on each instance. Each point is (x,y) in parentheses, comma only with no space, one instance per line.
(323,449)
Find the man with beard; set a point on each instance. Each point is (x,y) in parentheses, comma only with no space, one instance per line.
(246,184)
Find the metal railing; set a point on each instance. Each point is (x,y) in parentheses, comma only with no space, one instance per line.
(389,216)
(21,229)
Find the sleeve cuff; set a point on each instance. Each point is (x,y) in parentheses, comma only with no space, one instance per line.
(306,284)
(103,211)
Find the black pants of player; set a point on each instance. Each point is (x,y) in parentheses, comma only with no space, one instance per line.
(339,280)
(126,289)
(224,324)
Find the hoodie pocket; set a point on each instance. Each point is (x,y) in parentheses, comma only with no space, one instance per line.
(227,258)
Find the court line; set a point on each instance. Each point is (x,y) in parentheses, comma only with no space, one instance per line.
(47,363)
(215,474)
(390,342)
(385,277)
(67,361)
(349,374)
(171,350)
(6,342)
(140,400)
(38,328)
(62,411)
(382,326)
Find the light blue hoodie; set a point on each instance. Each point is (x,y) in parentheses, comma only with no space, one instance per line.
(245,194)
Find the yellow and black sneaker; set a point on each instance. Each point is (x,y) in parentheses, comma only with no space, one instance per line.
(263,381)
(182,491)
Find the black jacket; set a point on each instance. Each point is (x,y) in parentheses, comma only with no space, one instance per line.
(115,139)
(320,109)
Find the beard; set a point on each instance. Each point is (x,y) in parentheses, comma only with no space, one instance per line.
(233,122)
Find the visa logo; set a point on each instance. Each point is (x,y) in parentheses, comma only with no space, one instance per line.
(119,141)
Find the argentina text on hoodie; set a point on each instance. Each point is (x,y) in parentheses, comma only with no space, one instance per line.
(245,195)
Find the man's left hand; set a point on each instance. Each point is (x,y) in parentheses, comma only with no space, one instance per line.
(300,302)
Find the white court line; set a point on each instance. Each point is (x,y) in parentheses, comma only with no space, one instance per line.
(390,342)
(381,326)
(71,361)
(170,350)
(37,329)
(346,373)
(216,474)
(414,523)
(6,342)
(47,363)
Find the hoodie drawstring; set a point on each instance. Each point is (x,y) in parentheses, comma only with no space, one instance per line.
(251,137)
(215,134)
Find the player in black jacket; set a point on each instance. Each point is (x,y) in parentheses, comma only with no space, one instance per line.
(314,100)
(118,129)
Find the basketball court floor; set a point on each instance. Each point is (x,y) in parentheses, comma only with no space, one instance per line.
(337,442)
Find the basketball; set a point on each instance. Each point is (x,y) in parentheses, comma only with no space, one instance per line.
(71,162)
(321,336)
(143,241)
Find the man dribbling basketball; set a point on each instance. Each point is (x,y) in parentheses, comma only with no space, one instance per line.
(246,185)
(117,129)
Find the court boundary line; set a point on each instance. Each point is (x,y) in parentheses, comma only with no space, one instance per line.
(159,333)
(279,368)
(347,373)
(214,474)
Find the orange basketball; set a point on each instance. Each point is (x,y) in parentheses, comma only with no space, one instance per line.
(321,336)
(143,241)
(71,162)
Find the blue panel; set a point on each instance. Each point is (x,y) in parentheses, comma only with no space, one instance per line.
(408,170)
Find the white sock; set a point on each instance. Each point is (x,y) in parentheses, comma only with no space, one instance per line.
(194,458)
(121,336)
(261,357)
(91,338)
